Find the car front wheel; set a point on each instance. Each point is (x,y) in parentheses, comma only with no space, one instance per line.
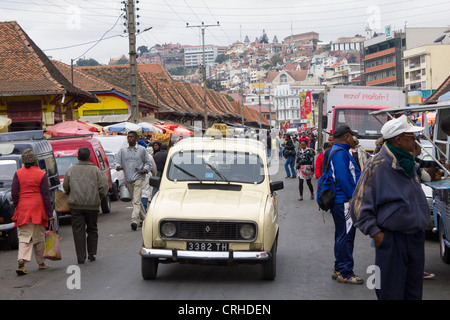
(444,250)
(149,268)
(269,267)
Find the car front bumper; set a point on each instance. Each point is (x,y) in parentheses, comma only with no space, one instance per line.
(176,254)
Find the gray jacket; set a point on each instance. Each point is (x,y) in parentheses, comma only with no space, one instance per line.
(133,160)
(85,185)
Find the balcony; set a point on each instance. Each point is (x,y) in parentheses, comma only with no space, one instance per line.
(379,54)
(381,81)
(385,66)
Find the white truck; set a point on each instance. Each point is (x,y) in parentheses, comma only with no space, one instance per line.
(352,105)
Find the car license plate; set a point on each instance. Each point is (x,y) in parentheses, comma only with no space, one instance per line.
(206,246)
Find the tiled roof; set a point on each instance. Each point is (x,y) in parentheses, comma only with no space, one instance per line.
(443,88)
(26,70)
(156,85)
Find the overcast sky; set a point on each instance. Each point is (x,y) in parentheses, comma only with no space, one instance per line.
(66,29)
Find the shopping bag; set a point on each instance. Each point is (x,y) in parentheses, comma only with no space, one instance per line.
(52,248)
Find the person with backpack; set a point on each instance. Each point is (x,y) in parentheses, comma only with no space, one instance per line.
(304,166)
(343,169)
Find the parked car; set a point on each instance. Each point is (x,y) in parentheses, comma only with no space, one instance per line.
(117,177)
(215,204)
(112,144)
(11,147)
(66,151)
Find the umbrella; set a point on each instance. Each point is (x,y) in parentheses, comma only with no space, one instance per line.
(176,129)
(70,132)
(148,127)
(123,127)
(70,128)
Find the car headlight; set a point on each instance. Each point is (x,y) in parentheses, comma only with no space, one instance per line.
(247,231)
(168,229)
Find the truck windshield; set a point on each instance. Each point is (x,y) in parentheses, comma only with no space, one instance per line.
(7,169)
(359,120)
(64,163)
(241,167)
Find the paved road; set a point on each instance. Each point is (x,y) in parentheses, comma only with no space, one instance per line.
(304,264)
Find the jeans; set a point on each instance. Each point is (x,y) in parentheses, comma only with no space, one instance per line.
(289,164)
(343,242)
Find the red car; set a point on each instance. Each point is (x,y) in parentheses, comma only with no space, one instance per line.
(66,151)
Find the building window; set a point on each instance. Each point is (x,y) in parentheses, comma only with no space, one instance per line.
(283,78)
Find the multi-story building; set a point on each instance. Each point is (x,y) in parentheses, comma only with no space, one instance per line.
(383,54)
(426,67)
(193,55)
(383,60)
(347,44)
(302,37)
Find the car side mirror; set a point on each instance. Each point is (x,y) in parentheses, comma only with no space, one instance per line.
(324,122)
(155,182)
(276,185)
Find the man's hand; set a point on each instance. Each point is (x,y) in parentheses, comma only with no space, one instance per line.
(378,238)
(118,168)
(144,171)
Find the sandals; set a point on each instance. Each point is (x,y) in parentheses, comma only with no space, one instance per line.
(43,267)
(21,269)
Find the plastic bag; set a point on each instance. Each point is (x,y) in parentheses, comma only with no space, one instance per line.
(52,247)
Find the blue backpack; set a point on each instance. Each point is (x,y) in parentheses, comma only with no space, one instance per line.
(326,187)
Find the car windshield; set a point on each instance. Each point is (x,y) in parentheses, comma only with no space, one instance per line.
(359,120)
(7,169)
(110,157)
(64,163)
(242,167)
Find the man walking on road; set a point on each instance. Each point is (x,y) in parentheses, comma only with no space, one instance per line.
(85,185)
(135,162)
(346,174)
(390,206)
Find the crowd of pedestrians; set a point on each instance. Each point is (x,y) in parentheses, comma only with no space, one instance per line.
(393,214)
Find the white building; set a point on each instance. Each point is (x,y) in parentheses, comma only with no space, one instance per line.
(193,55)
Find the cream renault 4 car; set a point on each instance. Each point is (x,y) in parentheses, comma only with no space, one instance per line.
(215,204)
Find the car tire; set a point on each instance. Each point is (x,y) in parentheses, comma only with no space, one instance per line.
(106,204)
(149,268)
(444,250)
(13,239)
(269,267)
(115,195)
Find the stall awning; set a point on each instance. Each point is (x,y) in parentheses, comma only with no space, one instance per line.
(110,118)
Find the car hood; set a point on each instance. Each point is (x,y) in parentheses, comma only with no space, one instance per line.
(213,204)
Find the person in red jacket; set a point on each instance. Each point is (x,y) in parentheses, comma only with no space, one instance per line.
(319,161)
(33,210)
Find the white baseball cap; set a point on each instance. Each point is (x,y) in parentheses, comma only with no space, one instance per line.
(394,127)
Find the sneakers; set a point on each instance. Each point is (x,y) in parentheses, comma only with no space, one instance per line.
(427,275)
(335,274)
(352,280)
(134,226)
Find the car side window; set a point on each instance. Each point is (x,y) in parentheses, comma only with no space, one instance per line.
(100,160)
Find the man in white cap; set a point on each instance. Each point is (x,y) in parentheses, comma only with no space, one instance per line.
(389,205)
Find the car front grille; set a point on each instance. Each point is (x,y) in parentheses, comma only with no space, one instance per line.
(208,230)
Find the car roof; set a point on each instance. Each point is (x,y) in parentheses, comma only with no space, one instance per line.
(226,144)
(69,147)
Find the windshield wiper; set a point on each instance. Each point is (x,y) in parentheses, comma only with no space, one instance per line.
(221,176)
(186,172)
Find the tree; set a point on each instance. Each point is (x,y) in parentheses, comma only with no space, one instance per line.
(264,38)
(142,49)
(87,62)
(123,61)
(221,58)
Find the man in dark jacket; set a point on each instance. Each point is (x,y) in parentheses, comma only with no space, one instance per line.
(389,205)
(85,185)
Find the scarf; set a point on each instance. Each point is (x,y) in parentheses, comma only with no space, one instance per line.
(404,158)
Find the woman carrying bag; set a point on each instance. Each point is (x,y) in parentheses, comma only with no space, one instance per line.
(305,170)
(33,210)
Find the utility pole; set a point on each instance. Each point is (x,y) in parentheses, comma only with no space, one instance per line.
(133,63)
(203,26)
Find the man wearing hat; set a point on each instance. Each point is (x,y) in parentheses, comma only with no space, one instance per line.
(346,174)
(390,206)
